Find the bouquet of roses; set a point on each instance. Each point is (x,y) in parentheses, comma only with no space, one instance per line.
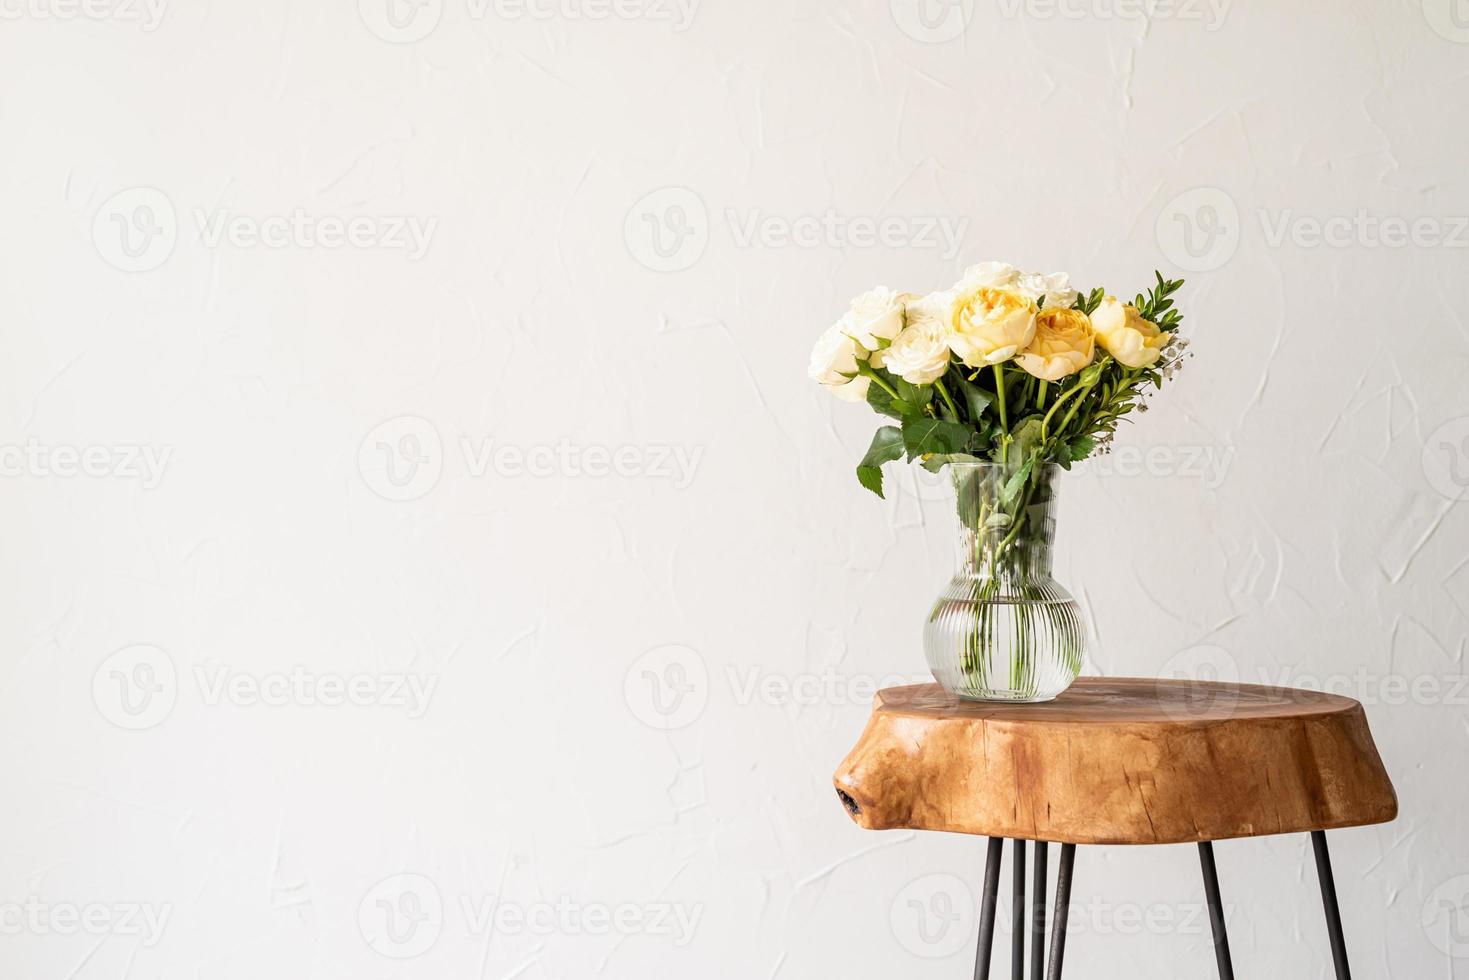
(1006,366)
(1006,378)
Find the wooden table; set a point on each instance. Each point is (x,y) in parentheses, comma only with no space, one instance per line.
(1117,761)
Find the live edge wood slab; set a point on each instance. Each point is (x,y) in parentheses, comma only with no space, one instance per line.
(1118,761)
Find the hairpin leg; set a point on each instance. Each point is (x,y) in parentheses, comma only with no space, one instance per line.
(1063,907)
(1038,914)
(1017,913)
(1216,911)
(987,909)
(1328,899)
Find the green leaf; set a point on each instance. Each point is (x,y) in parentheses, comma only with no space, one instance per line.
(1088,302)
(1157,306)
(885,404)
(1081,447)
(1025,439)
(1012,486)
(887,445)
(924,435)
(911,399)
(936,461)
(976,399)
(882,403)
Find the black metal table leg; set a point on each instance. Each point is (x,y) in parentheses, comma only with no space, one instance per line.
(1017,914)
(1216,911)
(1038,913)
(1050,966)
(1063,907)
(987,909)
(1328,899)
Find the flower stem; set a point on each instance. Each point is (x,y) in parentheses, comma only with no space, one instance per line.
(1046,422)
(1069,413)
(947,400)
(880,383)
(1000,391)
(1018,519)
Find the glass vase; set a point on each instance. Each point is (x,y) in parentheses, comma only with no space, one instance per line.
(1004,629)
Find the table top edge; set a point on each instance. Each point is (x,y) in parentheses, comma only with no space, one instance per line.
(1294,703)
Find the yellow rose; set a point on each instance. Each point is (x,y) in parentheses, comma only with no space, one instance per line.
(988,324)
(1063,344)
(1125,335)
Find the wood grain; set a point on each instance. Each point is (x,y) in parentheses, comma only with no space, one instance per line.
(1118,761)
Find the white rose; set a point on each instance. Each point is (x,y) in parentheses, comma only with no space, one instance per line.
(930,311)
(1054,288)
(876,317)
(834,362)
(853,391)
(1000,275)
(920,354)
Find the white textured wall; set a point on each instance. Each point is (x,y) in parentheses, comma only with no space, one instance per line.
(241,479)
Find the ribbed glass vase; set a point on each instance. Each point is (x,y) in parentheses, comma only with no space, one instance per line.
(1004,629)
